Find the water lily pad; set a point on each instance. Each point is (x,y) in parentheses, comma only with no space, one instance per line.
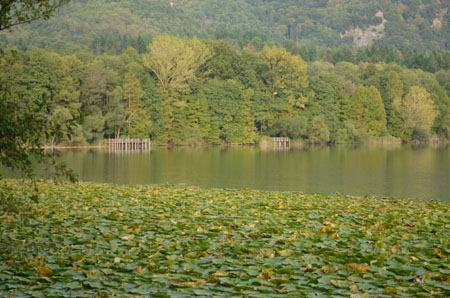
(161,241)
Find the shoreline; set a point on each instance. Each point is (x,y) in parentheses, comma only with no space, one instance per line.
(294,144)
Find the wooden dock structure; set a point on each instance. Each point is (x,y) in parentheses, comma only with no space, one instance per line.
(128,144)
(281,143)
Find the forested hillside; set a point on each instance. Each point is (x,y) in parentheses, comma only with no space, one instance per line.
(111,25)
(189,91)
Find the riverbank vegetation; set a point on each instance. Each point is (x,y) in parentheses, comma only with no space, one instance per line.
(189,91)
(92,239)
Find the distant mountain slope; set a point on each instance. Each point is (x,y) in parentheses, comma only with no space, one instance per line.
(85,24)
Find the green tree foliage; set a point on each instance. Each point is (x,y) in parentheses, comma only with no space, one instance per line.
(369,113)
(115,116)
(318,131)
(330,100)
(445,124)
(347,134)
(25,125)
(418,111)
(295,127)
(16,12)
(59,117)
(197,115)
(174,61)
(24,131)
(235,96)
(225,62)
(393,93)
(192,136)
(114,25)
(287,77)
(247,119)
(135,112)
(225,100)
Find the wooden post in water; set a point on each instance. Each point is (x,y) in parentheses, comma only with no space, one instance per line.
(281,143)
(128,145)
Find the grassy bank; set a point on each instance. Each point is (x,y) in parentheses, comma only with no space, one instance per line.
(162,241)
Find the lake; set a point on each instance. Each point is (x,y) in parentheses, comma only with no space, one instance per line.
(403,171)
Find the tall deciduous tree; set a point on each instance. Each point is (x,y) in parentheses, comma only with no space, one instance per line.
(287,75)
(132,93)
(417,110)
(197,114)
(115,117)
(394,93)
(174,61)
(246,117)
(369,110)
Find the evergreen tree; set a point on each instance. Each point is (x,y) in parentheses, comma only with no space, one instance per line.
(394,93)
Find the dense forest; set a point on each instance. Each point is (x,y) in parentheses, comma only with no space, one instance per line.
(232,72)
(98,25)
(190,91)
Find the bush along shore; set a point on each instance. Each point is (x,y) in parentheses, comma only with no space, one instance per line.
(84,240)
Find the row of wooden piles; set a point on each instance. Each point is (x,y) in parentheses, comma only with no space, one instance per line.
(128,144)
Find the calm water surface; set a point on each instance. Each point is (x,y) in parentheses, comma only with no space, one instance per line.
(400,171)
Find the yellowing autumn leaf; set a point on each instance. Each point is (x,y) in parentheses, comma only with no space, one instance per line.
(220,273)
(155,255)
(265,275)
(128,237)
(7,220)
(357,267)
(44,270)
(326,229)
(195,284)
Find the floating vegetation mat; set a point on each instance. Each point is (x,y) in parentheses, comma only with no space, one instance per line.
(162,241)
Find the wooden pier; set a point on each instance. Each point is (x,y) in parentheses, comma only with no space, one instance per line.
(128,144)
(281,143)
